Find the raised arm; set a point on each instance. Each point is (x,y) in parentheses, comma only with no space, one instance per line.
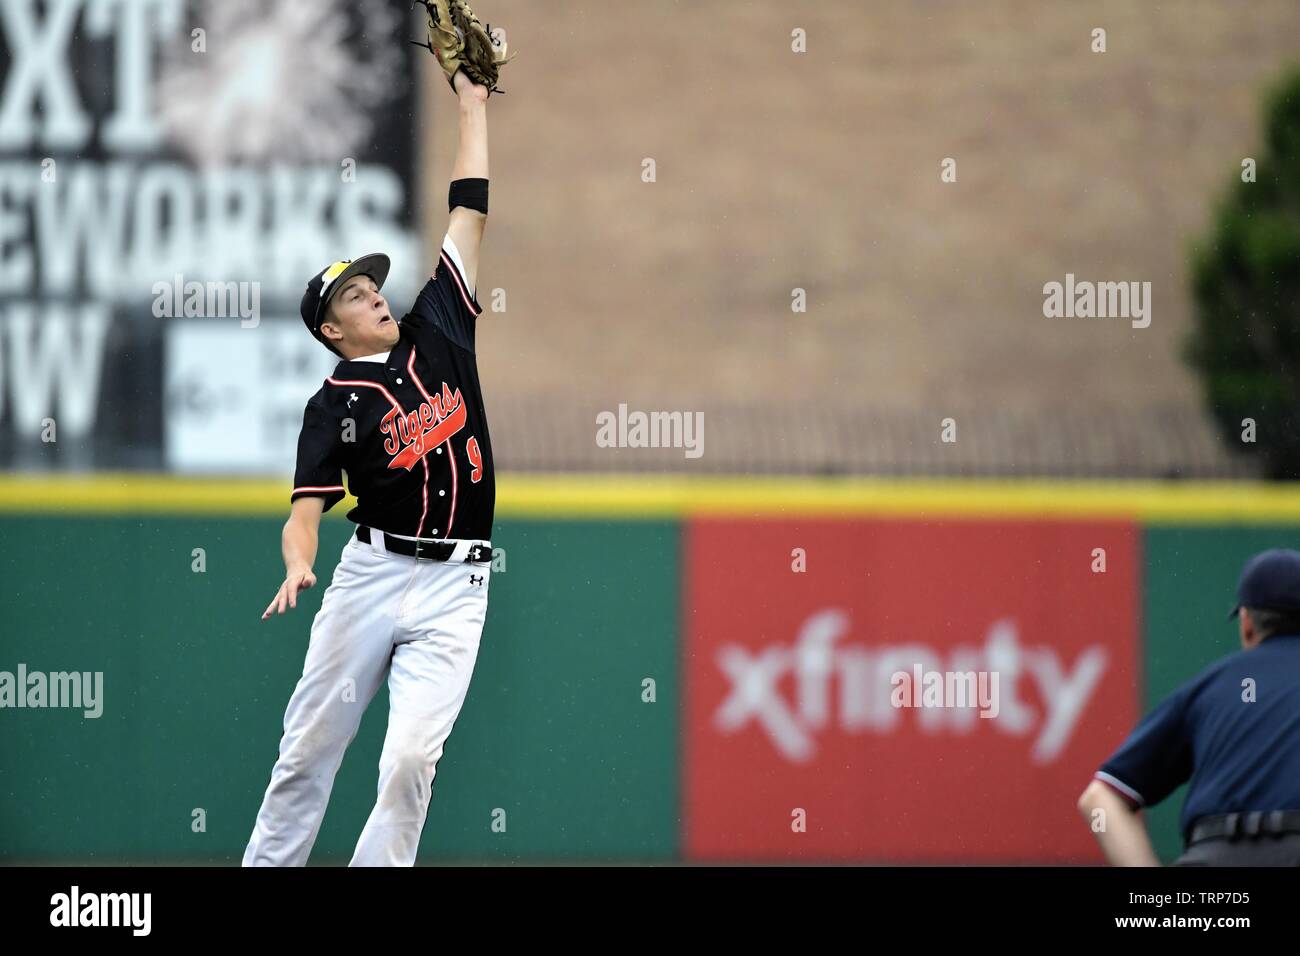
(465,226)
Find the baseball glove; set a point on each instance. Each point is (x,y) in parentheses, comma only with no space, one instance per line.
(460,42)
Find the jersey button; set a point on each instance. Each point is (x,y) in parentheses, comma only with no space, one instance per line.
(439,451)
(399,381)
(442,494)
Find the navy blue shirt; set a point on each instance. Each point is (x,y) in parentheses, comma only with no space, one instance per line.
(1239,756)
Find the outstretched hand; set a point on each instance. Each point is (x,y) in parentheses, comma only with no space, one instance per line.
(294,582)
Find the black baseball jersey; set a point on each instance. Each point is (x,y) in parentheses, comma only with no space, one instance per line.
(410,430)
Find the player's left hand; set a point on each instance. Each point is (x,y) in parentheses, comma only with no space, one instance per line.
(467,90)
(463,45)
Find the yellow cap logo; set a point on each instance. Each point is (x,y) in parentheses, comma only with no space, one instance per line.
(332,273)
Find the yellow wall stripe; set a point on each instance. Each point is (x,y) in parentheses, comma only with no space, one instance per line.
(617,496)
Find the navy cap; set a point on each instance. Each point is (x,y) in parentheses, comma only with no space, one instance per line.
(1271,581)
(329,280)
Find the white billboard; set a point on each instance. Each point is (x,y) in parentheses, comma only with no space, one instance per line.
(234,397)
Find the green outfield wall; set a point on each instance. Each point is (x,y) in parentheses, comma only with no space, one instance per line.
(195,687)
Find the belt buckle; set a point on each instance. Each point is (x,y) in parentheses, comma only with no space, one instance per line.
(418,553)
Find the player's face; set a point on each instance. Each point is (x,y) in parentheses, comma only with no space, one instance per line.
(362,315)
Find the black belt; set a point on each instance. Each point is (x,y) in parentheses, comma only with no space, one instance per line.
(426,550)
(1231,826)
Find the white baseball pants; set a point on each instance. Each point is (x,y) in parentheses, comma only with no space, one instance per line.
(419,623)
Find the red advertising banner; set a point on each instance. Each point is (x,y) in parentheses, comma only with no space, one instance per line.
(903,690)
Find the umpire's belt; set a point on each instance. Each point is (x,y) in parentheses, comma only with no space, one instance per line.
(1231,826)
(479,552)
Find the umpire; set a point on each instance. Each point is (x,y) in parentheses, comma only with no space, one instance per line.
(1233,731)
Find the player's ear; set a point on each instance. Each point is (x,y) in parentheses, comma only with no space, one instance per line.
(329,326)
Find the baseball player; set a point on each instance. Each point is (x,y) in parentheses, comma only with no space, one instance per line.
(403,416)
(1233,731)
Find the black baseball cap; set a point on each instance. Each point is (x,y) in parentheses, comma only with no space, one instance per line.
(333,277)
(1270,581)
